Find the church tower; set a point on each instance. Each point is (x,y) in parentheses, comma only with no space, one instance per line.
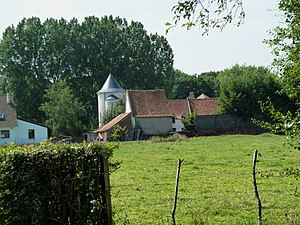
(108,96)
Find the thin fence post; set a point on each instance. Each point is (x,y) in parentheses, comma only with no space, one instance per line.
(107,187)
(176,191)
(259,217)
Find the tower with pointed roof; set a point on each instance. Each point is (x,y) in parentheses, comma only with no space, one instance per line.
(108,96)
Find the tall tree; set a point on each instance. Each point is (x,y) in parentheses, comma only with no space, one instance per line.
(243,87)
(22,63)
(63,111)
(35,54)
(285,42)
(203,83)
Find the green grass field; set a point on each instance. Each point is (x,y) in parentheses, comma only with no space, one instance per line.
(215,183)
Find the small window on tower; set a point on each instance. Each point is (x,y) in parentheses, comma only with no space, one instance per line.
(31,134)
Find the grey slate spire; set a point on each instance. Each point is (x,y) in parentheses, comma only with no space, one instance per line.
(111,85)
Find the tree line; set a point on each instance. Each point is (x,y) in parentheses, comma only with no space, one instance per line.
(35,55)
(54,69)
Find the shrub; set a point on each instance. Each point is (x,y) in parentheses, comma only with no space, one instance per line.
(119,133)
(189,122)
(52,183)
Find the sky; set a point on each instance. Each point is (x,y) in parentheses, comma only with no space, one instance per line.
(193,53)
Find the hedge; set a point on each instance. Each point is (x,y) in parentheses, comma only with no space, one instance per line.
(52,184)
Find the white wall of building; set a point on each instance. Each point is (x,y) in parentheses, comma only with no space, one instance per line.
(12,135)
(154,125)
(104,105)
(20,133)
(178,125)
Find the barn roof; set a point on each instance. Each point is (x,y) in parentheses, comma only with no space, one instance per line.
(8,114)
(113,122)
(204,106)
(179,107)
(149,103)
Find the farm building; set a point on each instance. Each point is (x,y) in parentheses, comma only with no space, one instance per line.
(18,131)
(182,107)
(149,112)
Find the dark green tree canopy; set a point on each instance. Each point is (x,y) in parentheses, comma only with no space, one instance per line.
(63,111)
(198,83)
(285,43)
(243,87)
(35,54)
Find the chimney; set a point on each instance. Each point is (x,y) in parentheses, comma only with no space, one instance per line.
(8,100)
(191,96)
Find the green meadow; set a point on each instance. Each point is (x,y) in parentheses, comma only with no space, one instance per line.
(215,182)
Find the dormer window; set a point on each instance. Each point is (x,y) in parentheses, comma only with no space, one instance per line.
(2,117)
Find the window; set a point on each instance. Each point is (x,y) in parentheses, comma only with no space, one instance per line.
(2,117)
(5,134)
(173,119)
(31,134)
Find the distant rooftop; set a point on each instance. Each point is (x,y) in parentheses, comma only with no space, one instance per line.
(111,85)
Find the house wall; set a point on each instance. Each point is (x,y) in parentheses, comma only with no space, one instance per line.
(21,133)
(154,125)
(11,139)
(178,125)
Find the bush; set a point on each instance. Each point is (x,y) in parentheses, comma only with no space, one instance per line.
(52,184)
(119,133)
(189,122)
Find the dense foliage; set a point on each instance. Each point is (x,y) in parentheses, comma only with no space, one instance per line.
(243,87)
(285,42)
(198,83)
(35,54)
(63,111)
(189,122)
(52,184)
(119,133)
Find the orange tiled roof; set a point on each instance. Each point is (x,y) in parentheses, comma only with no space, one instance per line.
(204,106)
(149,103)
(179,107)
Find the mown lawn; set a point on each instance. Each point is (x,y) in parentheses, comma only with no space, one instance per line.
(215,183)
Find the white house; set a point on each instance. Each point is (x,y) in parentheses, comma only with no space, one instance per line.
(13,130)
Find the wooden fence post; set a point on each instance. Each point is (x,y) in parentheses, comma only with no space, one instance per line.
(256,189)
(107,187)
(176,191)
